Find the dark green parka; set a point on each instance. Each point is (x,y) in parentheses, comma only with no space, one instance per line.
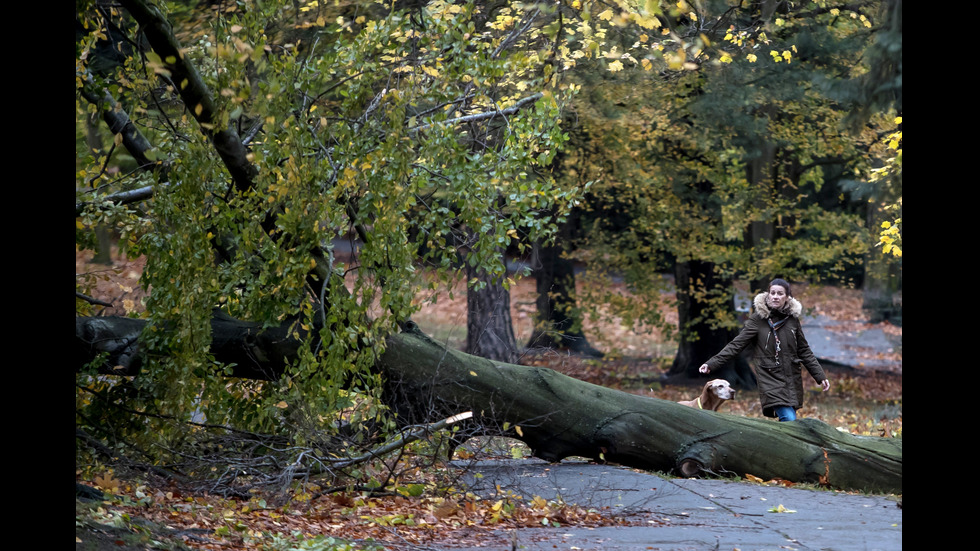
(780,384)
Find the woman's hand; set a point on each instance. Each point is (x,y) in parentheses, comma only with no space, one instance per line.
(704,369)
(825,385)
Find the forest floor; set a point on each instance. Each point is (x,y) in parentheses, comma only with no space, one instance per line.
(141,515)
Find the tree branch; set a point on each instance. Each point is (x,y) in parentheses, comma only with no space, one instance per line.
(194,92)
(119,122)
(401,441)
(91,300)
(121,198)
(483,116)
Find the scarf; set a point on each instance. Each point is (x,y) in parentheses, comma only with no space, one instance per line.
(774,326)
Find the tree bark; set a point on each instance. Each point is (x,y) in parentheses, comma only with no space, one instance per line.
(699,342)
(556,324)
(489,326)
(556,415)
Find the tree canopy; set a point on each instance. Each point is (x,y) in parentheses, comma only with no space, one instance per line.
(753,157)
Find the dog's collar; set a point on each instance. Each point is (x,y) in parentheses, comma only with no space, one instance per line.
(698,402)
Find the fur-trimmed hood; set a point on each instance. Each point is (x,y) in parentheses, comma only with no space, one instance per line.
(792,307)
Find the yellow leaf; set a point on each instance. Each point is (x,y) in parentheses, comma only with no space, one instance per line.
(518,430)
(198,109)
(615,66)
(282,405)
(473,373)
(781,509)
(606,15)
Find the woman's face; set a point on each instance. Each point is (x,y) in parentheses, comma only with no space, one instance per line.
(777,296)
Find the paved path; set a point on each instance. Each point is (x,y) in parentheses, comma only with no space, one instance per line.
(688,514)
(859,348)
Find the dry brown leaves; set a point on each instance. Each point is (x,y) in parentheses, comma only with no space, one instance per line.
(452,520)
(118,284)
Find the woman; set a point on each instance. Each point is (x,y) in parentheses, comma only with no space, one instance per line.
(780,350)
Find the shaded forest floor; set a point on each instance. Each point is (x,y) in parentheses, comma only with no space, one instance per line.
(146,514)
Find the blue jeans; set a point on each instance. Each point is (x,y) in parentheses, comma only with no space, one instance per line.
(785,413)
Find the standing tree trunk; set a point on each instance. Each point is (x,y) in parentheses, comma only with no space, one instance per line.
(696,281)
(489,327)
(556,324)
(882,280)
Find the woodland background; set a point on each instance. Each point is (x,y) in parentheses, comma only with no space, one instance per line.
(586,186)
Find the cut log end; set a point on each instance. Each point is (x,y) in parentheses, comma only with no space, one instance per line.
(689,468)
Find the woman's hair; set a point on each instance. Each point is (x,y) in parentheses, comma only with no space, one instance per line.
(782,283)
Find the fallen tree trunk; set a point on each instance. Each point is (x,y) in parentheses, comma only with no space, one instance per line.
(556,415)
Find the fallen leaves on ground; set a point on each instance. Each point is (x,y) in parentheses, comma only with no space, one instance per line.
(213,522)
(771,482)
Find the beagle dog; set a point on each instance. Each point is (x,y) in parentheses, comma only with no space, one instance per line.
(715,392)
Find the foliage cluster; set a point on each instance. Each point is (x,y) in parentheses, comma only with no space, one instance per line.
(404,126)
(742,158)
(273,132)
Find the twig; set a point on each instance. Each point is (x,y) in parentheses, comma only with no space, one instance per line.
(91,300)
(482,116)
(402,441)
